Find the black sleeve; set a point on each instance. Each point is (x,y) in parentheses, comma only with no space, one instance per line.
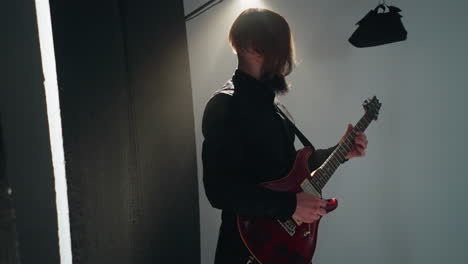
(319,156)
(225,175)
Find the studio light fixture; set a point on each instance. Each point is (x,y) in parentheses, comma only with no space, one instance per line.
(381,25)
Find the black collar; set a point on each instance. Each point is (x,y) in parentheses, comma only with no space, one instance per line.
(247,85)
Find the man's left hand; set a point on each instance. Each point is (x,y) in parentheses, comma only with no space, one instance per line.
(360,144)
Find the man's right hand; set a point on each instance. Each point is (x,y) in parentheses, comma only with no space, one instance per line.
(309,208)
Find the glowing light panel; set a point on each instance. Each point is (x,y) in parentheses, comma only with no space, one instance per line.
(251,4)
(55,127)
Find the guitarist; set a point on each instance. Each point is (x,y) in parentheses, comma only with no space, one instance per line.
(247,142)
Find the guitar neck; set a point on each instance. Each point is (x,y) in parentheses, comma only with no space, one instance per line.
(337,157)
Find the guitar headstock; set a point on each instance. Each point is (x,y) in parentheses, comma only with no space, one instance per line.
(372,107)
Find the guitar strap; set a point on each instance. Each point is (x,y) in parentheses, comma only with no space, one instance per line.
(283,112)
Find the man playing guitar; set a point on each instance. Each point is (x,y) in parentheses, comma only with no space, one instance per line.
(246,141)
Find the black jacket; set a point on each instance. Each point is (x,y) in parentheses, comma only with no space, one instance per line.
(246,143)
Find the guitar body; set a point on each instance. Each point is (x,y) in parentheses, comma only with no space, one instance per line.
(272,241)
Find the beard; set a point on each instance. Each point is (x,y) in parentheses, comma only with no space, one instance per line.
(276,82)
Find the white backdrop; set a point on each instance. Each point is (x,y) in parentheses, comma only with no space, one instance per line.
(405,202)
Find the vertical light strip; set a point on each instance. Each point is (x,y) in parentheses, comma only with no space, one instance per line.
(55,128)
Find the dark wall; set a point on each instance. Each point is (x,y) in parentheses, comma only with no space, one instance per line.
(8,236)
(128,130)
(28,163)
(159,78)
(96,129)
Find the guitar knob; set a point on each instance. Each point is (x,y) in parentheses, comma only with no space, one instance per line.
(307,232)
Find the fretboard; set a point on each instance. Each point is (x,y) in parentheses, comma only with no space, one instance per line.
(337,157)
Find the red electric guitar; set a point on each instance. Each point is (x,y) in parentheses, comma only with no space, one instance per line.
(272,241)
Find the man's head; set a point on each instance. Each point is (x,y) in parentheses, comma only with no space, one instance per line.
(263,35)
